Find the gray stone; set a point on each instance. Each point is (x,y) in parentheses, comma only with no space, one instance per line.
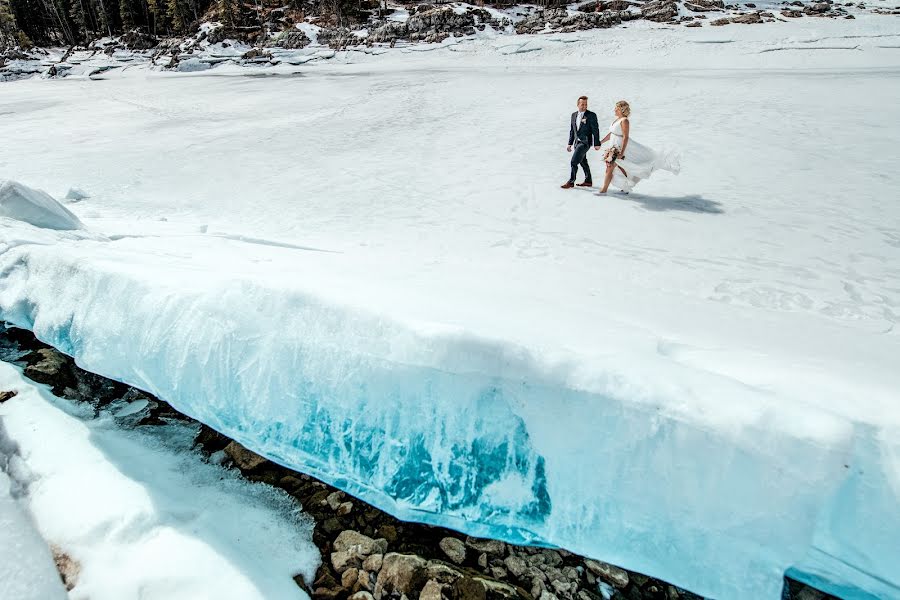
(516,565)
(334,500)
(345,559)
(442,573)
(487,546)
(401,574)
(373,563)
(483,561)
(659,10)
(454,549)
(361,544)
(431,591)
(610,574)
(363,595)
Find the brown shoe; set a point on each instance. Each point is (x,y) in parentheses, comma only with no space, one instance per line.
(585,184)
(567,185)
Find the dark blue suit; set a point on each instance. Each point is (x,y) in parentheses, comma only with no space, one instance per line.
(583,135)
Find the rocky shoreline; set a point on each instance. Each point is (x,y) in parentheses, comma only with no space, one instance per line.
(289,36)
(366,553)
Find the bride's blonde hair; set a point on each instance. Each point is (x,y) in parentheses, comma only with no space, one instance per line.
(624,107)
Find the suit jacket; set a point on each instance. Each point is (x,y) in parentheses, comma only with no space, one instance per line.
(587,132)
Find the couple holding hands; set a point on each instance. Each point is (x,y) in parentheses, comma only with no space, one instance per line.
(627,161)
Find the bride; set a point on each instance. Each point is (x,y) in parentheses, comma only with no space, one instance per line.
(627,161)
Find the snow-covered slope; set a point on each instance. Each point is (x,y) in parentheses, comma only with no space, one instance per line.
(368,271)
(134,514)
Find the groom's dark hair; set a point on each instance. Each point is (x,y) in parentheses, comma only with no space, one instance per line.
(582,97)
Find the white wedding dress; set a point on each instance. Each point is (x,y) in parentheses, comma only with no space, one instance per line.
(639,162)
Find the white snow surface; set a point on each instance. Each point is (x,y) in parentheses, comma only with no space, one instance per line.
(366,270)
(139,514)
(27,571)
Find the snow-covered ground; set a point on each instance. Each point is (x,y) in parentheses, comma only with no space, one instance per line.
(135,515)
(365,268)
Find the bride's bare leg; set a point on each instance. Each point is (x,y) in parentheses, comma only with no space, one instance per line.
(610,168)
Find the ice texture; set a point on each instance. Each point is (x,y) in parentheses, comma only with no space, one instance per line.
(446,428)
(35,207)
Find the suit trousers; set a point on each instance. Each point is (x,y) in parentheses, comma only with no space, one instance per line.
(579,157)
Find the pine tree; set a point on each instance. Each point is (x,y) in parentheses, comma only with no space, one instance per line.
(127,15)
(8,29)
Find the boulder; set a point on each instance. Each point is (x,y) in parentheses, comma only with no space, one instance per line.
(246,460)
(454,548)
(292,39)
(610,574)
(659,11)
(492,547)
(359,543)
(401,574)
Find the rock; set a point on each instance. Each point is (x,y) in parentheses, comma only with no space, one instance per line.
(349,578)
(363,545)
(342,560)
(494,547)
(720,22)
(50,367)
(552,558)
(373,563)
(334,500)
(561,587)
(704,5)
(608,573)
(479,588)
(364,581)
(344,509)
(659,10)
(442,573)
(4,396)
(454,549)
(545,595)
(216,35)
(292,39)
(431,591)
(515,565)
(257,55)
(791,13)
(332,525)
(747,19)
(400,574)
(499,573)
(483,561)
(388,532)
(560,20)
(326,586)
(363,595)
(388,32)
(246,460)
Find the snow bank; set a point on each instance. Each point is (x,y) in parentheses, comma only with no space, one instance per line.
(27,571)
(36,207)
(141,515)
(442,427)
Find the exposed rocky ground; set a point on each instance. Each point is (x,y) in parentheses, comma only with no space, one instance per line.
(278,34)
(366,553)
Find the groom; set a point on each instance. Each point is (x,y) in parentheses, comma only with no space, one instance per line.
(584,132)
